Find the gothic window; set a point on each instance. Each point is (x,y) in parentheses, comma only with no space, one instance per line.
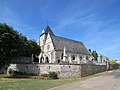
(62,56)
(47,60)
(58,61)
(87,58)
(41,60)
(80,57)
(73,57)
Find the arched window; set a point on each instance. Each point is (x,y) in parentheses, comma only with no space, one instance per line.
(80,57)
(47,60)
(41,60)
(73,57)
(87,58)
(58,61)
(62,56)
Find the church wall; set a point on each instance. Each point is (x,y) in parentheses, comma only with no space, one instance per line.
(77,59)
(53,58)
(69,58)
(42,40)
(48,45)
(58,56)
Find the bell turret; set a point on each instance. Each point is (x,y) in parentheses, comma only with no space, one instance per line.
(43,31)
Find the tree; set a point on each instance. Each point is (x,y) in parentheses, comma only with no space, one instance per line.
(90,50)
(31,48)
(95,55)
(8,44)
(113,62)
(14,44)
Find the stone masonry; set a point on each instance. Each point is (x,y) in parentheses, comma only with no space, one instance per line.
(63,70)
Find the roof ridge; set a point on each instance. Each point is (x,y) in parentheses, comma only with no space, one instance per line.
(69,39)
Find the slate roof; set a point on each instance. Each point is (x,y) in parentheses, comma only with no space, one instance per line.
(70,45)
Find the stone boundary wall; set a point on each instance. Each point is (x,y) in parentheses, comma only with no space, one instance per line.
(113,66)
(89,69)
(3,70)
(63,70)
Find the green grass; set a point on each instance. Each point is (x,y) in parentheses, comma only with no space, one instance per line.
(31,84)
(3,75)
(34,84)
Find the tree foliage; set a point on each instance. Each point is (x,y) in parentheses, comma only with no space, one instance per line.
(95,55)
(113,62)
(14,44)
(90,50)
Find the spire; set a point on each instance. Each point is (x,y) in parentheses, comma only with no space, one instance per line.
(47,22)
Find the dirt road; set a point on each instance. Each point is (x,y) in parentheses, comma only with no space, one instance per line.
(108,81)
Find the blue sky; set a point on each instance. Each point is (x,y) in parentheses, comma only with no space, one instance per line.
(94,22)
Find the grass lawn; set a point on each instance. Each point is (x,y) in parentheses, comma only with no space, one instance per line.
(33,84)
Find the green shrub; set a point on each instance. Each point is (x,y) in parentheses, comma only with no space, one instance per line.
(11,71)
(31,74)
(19,73)
(44,75)
(53,75)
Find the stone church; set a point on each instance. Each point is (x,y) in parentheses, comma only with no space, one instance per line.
(55,49)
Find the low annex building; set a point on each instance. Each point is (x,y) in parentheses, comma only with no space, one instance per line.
(55,49)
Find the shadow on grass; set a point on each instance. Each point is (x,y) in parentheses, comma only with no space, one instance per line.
(13,77)
(29,77)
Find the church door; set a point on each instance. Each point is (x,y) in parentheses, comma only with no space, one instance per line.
(47,60)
